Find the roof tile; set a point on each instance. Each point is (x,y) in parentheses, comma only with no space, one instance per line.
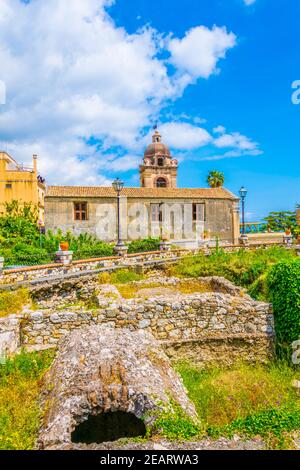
(164,193)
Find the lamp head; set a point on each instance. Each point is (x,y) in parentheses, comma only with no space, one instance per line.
(118,185)
(243,192)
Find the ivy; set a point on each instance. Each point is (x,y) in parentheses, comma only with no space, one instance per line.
(283,286)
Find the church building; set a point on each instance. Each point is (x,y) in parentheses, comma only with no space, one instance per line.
(188,217)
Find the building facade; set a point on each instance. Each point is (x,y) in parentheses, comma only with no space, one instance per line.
(186,216)
(21,183)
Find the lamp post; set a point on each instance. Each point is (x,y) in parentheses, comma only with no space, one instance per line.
(120,247)
(243,238)
(41,230)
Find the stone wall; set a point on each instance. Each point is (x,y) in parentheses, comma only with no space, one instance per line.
(221,327)
(45,273)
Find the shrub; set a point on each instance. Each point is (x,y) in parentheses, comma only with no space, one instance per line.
(19,223)
(27,255)
(13,302)
(98,250)
(283,284)
(147,244)
(244,267)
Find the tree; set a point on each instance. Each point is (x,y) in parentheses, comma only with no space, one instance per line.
(281,221)
(215,179)
(19,223)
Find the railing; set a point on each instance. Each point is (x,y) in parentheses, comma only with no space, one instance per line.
(39,262)
(254,227)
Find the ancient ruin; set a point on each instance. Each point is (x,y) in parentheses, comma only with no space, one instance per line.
(106,384)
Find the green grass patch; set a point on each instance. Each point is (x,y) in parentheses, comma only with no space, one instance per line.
(174,424)
(121,276)
(13,301)
(20,414)
(246,268)
(246,400)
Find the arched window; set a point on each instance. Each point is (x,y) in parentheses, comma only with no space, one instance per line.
(161,183)
(160,162)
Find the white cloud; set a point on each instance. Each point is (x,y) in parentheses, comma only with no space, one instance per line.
(249,2)
(198,53)
(219,130)
(182,135)
(74,78)
(236,141)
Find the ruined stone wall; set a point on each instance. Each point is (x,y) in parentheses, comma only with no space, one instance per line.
(203,327)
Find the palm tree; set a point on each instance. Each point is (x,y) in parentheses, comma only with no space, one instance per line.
(215,179)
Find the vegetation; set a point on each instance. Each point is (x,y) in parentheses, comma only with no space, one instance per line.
(281,221)
(124,276)
(174,423)
(247,268)
(19,390)
(283,284)
(13,302)
(215,179)
(21,242)
(246,400)
(83,246)
(147,244)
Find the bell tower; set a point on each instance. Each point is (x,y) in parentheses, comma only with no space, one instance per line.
(159,169)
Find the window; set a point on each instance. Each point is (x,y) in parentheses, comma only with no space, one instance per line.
(161,183)
(8,185)
(198,212)
(80,211)
(160,162)
(156,213)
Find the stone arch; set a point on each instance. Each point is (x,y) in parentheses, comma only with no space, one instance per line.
(161,182)
(109,426)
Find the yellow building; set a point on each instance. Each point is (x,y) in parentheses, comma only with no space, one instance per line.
(21,183)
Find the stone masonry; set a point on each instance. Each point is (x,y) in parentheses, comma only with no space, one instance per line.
(221,326)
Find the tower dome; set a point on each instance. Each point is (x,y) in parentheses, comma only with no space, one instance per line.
(157,147)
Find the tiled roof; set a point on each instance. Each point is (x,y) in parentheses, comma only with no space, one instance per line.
(162,193)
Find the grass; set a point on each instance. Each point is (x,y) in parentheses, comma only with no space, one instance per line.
(247,268)
(13,302)
(121,276)
(129,291)
(246,400)
(19,391)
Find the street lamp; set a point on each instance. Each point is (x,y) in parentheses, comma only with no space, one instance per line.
(118,186)
(243,193)
(41,230)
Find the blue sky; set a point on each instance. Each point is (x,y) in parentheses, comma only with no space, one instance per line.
(85,86)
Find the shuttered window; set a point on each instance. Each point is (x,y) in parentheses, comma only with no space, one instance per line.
(80,211)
